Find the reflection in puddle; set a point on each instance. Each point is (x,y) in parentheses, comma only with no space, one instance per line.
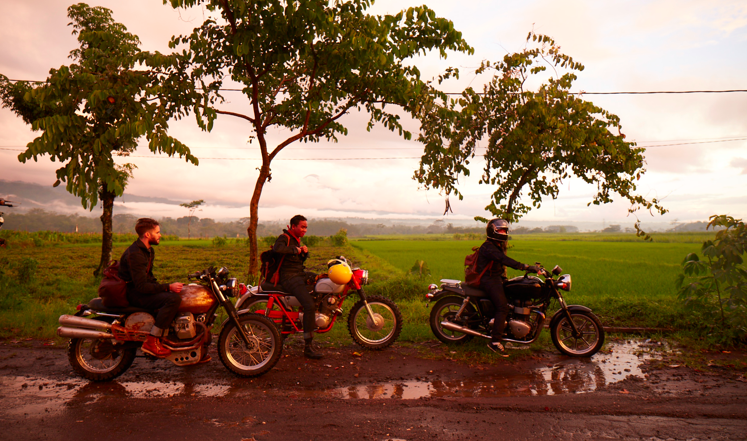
(43,396)
(568,376)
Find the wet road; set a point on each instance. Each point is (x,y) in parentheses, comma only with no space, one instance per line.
(387,395)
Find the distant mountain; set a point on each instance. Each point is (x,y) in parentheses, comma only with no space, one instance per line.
(26,196)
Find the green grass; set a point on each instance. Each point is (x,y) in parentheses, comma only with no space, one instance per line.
(626,283)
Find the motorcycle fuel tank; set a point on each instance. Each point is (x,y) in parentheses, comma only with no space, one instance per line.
(326,286)
(523,287)
(196,299)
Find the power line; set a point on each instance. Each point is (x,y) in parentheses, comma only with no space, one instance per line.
(651,92)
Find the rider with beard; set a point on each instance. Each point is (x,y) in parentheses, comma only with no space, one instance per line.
(144,291)
(294,277)
(493,252)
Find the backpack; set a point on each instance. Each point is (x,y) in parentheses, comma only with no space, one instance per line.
(471,276)
(113,290)
(271,263)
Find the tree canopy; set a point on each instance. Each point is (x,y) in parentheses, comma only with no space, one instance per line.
(97,108)
(533,139)
(305,64)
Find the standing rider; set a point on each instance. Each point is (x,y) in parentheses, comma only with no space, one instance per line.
(493,252)
(143,290)
(293,276)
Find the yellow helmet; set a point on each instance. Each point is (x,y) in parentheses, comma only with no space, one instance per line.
(340,273)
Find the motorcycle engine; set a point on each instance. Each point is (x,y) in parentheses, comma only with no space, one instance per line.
(518,323)
(327,306)
(184,325)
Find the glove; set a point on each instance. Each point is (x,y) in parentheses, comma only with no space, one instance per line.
(531,268)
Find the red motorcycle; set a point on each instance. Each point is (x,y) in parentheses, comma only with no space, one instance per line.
(104,340)
(374,322)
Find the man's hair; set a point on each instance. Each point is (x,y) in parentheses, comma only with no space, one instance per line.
(295,220)
(144,225)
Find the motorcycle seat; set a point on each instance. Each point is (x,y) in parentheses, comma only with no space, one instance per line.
(267,286)
(473,292)
(97,304)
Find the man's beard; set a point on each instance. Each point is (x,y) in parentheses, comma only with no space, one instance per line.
(153,241)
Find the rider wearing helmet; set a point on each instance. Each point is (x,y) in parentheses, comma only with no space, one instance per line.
(493,252)
(294,277)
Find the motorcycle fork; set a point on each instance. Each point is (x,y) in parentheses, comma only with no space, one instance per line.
(368,307)
(233,315)
(564,307)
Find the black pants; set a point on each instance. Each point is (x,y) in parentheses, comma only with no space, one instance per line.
(166,305)
(297,287)
(493,287)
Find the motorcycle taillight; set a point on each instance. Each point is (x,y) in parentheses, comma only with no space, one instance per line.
(79,307)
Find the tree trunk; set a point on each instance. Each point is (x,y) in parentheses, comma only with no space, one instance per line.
(264,173)
(107,199)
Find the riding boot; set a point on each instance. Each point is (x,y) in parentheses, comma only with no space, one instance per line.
(309,352)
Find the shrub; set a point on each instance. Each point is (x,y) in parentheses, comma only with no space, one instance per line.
(718,286)
(340,238)
(219,241)
(26,270)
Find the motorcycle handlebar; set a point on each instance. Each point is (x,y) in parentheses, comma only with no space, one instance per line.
(195,275)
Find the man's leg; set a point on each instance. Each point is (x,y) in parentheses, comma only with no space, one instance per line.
(167,306)
(296,286)
(493,287)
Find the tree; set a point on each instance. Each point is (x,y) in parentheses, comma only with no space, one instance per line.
(535,139)
(192,207)
(304,64)
(98,107)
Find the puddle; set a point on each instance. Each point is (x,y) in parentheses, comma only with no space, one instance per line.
(43,396)
(569,376)
(35,397)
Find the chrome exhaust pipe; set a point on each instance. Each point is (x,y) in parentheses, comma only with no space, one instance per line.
(82,322)
(454,327)
(81,333)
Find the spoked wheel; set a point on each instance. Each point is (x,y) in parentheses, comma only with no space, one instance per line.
(378,331)
(262,352)
(99,359)
(445,310)
(586,342)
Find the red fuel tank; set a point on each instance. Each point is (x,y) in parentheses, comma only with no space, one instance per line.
(196,299)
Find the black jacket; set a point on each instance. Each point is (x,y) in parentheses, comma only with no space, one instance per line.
(490,252)
(288,246)
(136,268)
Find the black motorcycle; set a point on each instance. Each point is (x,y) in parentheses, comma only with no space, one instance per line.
(461,312)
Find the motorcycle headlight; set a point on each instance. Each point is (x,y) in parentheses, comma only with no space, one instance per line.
(564,282)
(231,288)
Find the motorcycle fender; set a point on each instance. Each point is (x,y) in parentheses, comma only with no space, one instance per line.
(444,293)
(246,297)
(571,308)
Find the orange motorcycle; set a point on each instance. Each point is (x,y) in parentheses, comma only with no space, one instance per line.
(104,341)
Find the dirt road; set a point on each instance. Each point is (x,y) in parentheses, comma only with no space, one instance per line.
(403,393)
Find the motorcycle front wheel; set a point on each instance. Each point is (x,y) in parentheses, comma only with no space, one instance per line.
(378,331)
(586,343)
(99,359)
(262,352)
(445,310)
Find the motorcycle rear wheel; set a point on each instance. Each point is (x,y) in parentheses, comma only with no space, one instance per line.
(445,310)
(588,343)
(99,359)
(379,333)
(262,353)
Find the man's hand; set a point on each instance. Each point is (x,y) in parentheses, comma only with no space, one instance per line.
(175,287)
(531,268)
(303,249)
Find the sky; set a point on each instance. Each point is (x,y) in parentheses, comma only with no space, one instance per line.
(696,144)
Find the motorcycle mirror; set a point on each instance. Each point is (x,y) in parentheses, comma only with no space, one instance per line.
(557,270)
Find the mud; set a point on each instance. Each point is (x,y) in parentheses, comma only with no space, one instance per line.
(409,392)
